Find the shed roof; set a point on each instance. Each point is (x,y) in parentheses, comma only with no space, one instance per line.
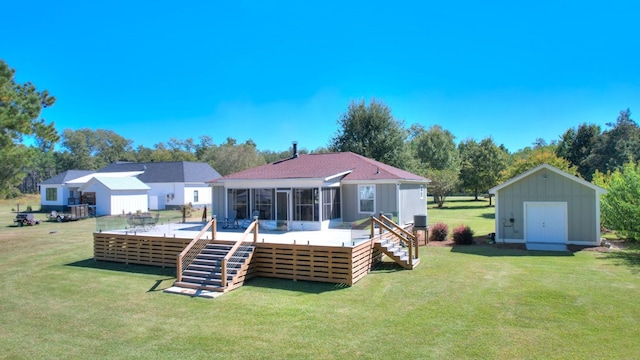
(352,166)
(118,183)
(554,169)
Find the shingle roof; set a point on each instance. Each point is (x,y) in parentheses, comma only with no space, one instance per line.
(322,166)
(167,172)
(65,176)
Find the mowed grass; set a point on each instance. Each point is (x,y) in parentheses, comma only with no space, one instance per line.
(473,302)
(463,210)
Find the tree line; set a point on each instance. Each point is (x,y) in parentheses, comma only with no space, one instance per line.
(468,166)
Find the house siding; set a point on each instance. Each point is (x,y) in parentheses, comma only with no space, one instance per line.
(386,201)
(581,207)
(411,203)
(218,201)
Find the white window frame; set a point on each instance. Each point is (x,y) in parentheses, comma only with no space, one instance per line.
(196,196)
(360,198)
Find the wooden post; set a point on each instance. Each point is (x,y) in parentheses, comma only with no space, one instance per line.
(223,273)
(410,254)
(255,229)
(214,226)
(373,227)
(382,221)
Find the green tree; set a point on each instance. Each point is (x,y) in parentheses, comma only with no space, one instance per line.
(481,164)
(437,159)
(79,149)
(527,160)
(231,157)
(576,145)
(20,108)
(620,207)
(372,131)
(616,146)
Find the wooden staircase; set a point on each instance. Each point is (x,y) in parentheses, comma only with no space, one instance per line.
(205,271)
(397,253)
(397,243)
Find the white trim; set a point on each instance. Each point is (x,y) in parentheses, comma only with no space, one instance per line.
(373,211)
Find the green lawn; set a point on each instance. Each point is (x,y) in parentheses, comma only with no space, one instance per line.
(461,302)
(464,211)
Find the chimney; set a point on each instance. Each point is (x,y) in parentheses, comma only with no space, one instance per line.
(295,149)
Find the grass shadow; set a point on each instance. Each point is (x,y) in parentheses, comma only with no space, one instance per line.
(629,258)
(121,267)
(496,250)
(309,287)
(386,267)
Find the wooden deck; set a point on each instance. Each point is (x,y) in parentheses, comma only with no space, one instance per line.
(344,264)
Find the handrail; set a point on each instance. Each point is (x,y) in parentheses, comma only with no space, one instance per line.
(186,257)
(223,267)
(402,230)
(410,240)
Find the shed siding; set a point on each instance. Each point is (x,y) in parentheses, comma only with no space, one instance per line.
(581,206)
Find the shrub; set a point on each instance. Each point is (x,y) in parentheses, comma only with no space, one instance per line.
(439,232)
(462,235)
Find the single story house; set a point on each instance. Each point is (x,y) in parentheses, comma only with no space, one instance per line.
(547,209)
(117,195)
(318,191)
(54,195)
(172,183)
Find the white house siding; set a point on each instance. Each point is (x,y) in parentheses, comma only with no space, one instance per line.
(60,196)
(581,206)
(128,202)
(204,195)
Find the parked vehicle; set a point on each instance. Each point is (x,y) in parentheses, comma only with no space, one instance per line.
(25,219)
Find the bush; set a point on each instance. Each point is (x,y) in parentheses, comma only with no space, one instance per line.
(439,232)
(462,235)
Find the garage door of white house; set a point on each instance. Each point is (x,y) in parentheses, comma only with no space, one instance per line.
(546,222)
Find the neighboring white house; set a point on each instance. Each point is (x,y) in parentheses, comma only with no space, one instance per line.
(172,184)
(117,195)
(54,195)
(547,209)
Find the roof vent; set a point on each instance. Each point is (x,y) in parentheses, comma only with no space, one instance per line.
(295,149)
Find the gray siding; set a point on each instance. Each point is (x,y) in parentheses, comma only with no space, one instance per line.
(217,202)
(580,199)
(411,203)
(386,201)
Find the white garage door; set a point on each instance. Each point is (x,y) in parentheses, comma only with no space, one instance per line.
(546,222)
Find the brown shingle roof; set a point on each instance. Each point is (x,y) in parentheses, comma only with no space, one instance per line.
(321,166)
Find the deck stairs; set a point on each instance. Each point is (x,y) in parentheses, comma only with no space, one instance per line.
(204,273)
(398,253)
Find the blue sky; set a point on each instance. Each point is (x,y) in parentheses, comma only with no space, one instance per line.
(280,71)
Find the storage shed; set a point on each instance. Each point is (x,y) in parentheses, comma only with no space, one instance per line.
(547,209)
(117,195)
